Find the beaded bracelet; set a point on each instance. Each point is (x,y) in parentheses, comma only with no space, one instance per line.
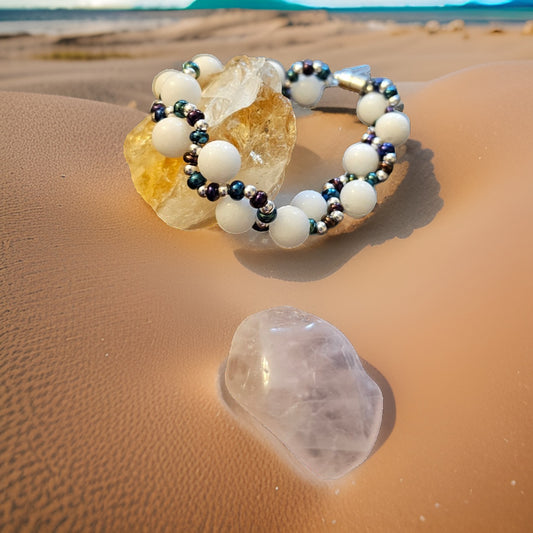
(211,165)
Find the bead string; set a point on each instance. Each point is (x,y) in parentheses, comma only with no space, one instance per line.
(367,163)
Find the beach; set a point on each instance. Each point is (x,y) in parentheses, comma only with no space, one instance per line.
(115,326)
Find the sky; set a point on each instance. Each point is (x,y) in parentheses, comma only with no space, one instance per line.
(125,4)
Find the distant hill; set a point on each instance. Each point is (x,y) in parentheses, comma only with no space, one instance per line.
(512,3)
(278,5)
(282,5)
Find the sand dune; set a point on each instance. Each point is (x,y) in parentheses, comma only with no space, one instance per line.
(401,52)
(114,326)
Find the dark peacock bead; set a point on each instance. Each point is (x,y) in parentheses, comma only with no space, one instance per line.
(158,111)
(212,193)
(372,178)
(330,192)
(194,116)
(376,82)
(335,207)
(259,199)
(337,183)
(267,218)
(199,137)
(236,190)
(386,167)
(385,148)
(190,158)
(291,75)
(196,180)
(178,108)
(307,67)
(368,138)
(324,73)
(390,91)
(330,222)
(193,66)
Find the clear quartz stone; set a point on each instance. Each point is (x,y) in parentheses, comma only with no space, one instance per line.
(301,379)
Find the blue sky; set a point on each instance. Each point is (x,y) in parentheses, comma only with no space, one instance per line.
(94,4)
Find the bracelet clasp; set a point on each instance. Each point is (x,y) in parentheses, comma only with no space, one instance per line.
(353,78)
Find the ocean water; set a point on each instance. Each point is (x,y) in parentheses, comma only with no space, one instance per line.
(80,21)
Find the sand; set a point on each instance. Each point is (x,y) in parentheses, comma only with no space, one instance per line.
(114,326)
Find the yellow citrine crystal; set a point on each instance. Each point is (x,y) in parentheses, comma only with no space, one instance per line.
(242,105)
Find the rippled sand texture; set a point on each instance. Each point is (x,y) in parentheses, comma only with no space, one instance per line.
(114,326)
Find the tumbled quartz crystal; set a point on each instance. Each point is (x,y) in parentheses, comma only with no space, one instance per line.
(300,378)
(243,105)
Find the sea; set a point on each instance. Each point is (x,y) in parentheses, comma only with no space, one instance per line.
(91,21)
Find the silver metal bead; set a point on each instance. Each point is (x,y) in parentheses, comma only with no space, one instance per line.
(169,110)
(202,191)
(298,67)
(261,224)
(201,125)
(399,107)
(223,190)
(190,169)
(343,179)
(395,100)
(390,158)
(327,186)
(317,66)
(268,208)
(369,87)
(333,201)
(249,191)
(376,142)
(195,149)
(384,84)
(321,227)
(336,215)
(188,107)
(189,71)
(382,175)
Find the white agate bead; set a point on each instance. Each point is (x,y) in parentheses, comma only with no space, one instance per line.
(235,216)
(360,159)
(358,198)
(307,91)
(179,86)
(290,228)
(393,128)
(219,160)
(209,65)
(311,203)
(159,79)
(170,136)
(370,107)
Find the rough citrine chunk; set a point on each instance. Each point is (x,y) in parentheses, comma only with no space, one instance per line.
(242,105)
